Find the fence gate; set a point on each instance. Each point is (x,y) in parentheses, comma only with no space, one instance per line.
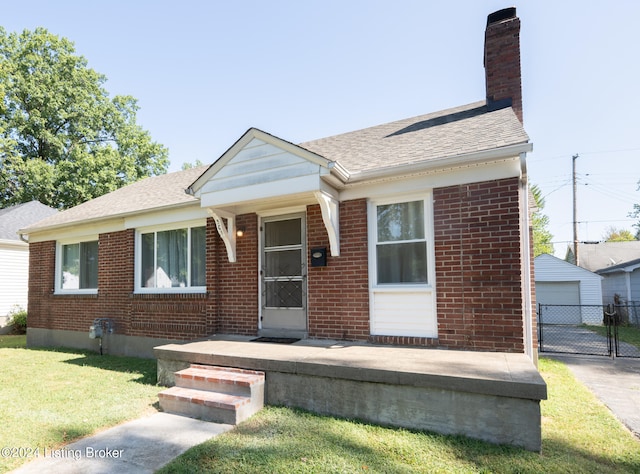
(589,329)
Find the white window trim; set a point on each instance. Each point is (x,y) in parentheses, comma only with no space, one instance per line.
(138,289)
(58,290)
(372,219)
(392,291)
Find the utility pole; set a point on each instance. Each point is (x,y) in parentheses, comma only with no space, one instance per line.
(575,212)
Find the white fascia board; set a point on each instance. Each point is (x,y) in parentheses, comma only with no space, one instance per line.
(257,192)
(416,182)
(13,244)
(78,231)
(112,223)
(170,216)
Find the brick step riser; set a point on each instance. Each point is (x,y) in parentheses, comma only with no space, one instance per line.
(219,386)
(215,394)
(202,412)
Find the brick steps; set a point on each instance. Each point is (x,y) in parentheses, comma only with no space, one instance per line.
(218,394)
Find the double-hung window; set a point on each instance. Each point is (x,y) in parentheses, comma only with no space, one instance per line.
(401,245)
(171,260)
(401,267)
(77,267)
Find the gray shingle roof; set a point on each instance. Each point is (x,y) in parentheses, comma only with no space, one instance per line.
(457,131)
(19,216)
(156,192)
(448,133)
(602,255)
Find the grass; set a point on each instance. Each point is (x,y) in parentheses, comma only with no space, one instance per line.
(51,397)
(579,435)
(628,334)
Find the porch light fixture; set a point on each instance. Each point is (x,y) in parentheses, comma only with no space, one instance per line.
(240,232)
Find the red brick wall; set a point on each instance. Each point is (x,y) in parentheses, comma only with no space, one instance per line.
(477,264)
(338,293)
(166,316)
(237,285)
(478,271)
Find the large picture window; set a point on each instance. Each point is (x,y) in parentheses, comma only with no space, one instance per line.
(401,247)
(172,258)
(78,266)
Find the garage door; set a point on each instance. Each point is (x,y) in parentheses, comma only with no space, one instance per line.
(559,293)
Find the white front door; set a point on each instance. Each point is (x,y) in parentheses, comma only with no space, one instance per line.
(283,275)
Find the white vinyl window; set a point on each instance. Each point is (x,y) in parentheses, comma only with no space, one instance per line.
(401,244)
(171,260)
(77,267)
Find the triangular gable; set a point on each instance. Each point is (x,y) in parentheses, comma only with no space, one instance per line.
(260,169)
(256,160)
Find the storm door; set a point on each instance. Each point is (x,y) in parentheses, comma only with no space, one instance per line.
(283,275)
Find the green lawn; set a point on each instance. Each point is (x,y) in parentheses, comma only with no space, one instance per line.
(579,435)
(50,397)
(628,334)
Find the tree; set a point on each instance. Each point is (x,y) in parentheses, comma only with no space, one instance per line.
(187,165)
(541,235)
(63,141)
(613,234)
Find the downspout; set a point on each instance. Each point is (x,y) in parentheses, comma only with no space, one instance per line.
(526,261)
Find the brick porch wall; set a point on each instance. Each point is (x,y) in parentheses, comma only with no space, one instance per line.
(477,250)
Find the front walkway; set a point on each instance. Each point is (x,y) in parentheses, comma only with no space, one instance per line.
(140,446)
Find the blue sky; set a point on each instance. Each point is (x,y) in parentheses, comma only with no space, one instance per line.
(205,71)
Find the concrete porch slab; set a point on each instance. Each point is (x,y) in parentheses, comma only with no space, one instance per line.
(486,395)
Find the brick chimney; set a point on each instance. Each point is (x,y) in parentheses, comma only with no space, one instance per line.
(502,60)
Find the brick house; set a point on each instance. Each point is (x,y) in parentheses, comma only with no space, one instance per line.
(414,232)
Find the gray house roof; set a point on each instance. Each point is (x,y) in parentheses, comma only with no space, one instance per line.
(438,136)
(601,255)
(156,192)
(621,267)
(14,218)
(457,131)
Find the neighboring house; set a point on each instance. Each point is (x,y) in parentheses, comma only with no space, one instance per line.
(573,293)
(595,256)
(414,232)
(621,283)
(14,255)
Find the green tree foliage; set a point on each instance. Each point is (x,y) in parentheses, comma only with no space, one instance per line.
(613,234)
(63,141)
(541,235)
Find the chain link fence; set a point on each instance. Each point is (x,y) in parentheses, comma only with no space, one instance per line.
(590,329)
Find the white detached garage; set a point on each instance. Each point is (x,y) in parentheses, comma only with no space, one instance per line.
(579,291)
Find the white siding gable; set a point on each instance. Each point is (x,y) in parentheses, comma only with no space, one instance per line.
(260,163)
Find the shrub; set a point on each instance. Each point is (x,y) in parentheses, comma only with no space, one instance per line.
(18,318)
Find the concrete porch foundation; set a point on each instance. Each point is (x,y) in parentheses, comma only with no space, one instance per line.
(490,396)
